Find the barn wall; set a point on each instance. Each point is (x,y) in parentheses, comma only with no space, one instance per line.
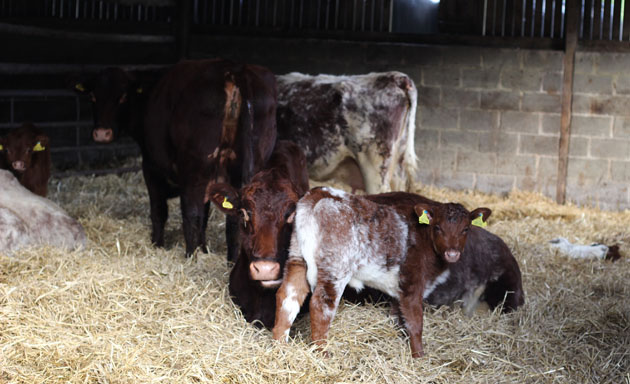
(488,119)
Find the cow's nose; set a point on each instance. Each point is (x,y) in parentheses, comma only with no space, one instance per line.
(264,270)
(451,255)
(103,135)
(19,165)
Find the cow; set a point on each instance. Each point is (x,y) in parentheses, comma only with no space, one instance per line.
(359,129)
(341,239)
(204,121)
(119,99)
(592,251)
(486,270)
(25,152)
(264,207)
(27,219)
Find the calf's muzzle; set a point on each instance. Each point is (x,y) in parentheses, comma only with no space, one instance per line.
(103,135)
(19,166)
(265,271)
(451,255)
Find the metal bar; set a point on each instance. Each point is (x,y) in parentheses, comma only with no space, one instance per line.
(597,19)
(485,18)
(567,95)
(616,24)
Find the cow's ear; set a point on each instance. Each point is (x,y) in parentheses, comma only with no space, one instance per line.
(80,84)
(479,216)
(424,212)
(224,197)
(41,143)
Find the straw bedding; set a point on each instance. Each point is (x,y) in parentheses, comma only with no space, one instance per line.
(122,311)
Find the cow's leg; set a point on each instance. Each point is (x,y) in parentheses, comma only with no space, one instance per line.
(206,211)
(232,237)
(193,216)
(323,306)
(411,311)
(290,297)
(158,196)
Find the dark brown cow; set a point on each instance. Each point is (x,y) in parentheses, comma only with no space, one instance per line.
(204,121)
(264,208)
(24,152)
(341,239)
(486,270)
(357,129)
(119,99)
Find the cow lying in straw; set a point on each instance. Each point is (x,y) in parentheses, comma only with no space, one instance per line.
(27,219)
(341,239)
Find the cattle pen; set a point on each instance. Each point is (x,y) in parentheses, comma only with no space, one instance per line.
(522,107)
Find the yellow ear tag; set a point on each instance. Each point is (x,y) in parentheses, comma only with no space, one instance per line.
(80,87)
(226,204)
(424,219)
(479,221)
(139,90)
(38,147)
(1,147)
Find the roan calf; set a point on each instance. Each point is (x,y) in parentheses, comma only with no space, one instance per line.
(341,239)
(24,152)
(486,270)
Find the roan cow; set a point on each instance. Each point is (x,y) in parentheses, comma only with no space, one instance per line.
(24,152)
(359,129)
(27,219)
(341,239)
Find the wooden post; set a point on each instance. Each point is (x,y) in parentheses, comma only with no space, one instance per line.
(571,38)
(183,27)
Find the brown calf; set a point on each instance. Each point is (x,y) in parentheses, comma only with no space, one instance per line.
(24,152)
(341,239)
(264,208)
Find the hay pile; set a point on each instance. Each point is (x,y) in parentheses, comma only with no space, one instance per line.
(122,311)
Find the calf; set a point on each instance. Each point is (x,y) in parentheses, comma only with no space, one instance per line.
(359,129)
(24,152)
(30,220)
(341,239)
(264,207)
(486,269)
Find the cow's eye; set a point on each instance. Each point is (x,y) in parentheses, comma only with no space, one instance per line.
(437,228)
(465,231)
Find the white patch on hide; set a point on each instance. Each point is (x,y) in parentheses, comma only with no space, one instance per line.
(290,305)
(336,192)
(431,285)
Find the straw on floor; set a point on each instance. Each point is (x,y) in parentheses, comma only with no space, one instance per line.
(123,311)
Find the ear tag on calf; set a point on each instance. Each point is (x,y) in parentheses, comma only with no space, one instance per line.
(226,204)
(139,90)
(479,221)
(1,147)
(38,147)
(80,87)
(424,219)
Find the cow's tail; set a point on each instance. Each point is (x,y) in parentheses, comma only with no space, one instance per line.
(410,160)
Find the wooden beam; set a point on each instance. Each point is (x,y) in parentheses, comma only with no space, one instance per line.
(571,39)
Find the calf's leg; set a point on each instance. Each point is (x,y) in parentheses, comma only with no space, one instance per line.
(290,297)
(323,306)
(411,311)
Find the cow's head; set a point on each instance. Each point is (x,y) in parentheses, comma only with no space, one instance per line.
(449,225)
(110,91)
(266,215)
(20,146)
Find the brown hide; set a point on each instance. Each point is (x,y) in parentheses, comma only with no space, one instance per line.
(264,208)
(27,161)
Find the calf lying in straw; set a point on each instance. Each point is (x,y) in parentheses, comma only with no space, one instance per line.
(593,251)
(341,239)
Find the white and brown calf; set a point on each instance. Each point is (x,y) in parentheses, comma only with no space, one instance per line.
(341,239)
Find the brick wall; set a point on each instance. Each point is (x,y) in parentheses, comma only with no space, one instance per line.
(488,118)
